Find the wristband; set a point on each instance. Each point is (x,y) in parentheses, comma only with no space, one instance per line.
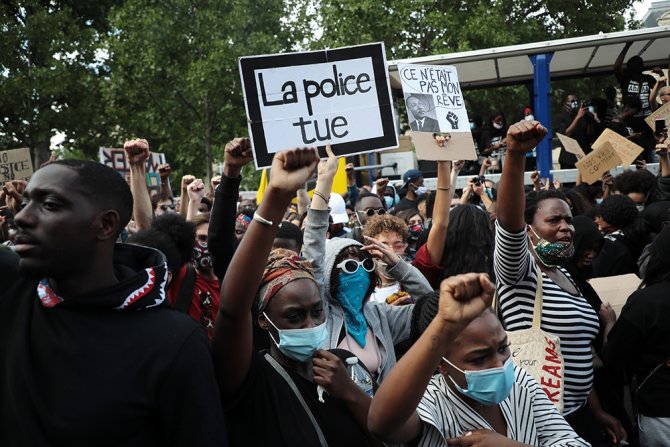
(262,220)
(317,193)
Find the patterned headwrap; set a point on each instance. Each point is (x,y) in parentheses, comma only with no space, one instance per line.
(283,267)
(244,220)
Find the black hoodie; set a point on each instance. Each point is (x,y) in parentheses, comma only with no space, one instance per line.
(115,367)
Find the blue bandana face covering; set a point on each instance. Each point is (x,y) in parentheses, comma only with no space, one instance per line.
(300,344)
(351,292)
(487,386)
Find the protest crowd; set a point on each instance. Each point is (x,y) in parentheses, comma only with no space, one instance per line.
(386,315)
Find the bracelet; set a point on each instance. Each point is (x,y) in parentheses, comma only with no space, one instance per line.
(317,193)
(264,221)
(444,188)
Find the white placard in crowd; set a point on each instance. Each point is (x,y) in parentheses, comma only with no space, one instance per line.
(15,164)
(115,158)
(436,112)
(339,96)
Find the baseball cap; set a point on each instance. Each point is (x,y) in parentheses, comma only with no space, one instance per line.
(338,210)
(411,175)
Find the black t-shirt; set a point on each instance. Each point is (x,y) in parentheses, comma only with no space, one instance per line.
(633,84)
(265,411)
(580,133)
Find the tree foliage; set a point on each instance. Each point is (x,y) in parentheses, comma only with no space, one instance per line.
(49,77)
(174,75)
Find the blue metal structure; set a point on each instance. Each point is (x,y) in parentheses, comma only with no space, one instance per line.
(542,109)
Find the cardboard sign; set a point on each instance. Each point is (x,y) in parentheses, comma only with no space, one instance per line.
(571,145)
(15,164)
(436,112)
(341,97)
(593,166)
(115,158)
(626,150)
(662,113)
(616,289)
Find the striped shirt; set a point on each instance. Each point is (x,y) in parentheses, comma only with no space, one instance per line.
(529,415)
(568,316)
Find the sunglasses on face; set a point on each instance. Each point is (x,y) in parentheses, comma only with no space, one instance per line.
(371,211)
(166,207)
(351,265)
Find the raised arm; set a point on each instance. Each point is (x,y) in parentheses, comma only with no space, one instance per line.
(183,194)
(164,171)
(137,154)
(314,247)
(221,239)
(232,344)
(618,64)
(521,137)
(438,231)
(195,192)
(392,415)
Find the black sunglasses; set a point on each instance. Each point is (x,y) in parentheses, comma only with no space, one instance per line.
(166,207)
(371,211)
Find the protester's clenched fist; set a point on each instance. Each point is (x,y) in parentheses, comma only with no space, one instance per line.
(137,151)
(237,154)
(196,190)
(291,169)
(524,136)
(187,180)
(164,170)
(464,297)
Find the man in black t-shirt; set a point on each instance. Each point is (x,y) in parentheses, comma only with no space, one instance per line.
(635,83)
(578,123)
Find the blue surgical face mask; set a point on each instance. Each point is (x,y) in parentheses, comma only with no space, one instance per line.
(473,126)
(300,344)
(487,386)
(391,201)
(599,200)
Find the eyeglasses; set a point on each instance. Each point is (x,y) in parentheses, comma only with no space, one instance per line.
(166,207)
(371,211)
(351,265)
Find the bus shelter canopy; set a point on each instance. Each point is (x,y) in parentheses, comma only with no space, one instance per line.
(573,57)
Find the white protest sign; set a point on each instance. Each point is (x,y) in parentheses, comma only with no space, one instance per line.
(15,164)
(436,112)
(339,96)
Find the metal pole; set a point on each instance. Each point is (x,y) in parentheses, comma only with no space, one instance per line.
(542,109)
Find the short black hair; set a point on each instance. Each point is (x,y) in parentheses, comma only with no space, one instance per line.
(534,198)
(369,194)
(151,237)
(641,181)
(619,211)
(291,231)
(104,186)
(180,231)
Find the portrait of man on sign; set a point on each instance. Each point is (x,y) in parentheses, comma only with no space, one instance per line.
(420,106)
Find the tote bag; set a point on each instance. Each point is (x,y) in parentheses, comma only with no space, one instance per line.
(539,352)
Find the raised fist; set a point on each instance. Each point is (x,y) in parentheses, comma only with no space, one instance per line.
(453,120)
(137,151)
(164,170)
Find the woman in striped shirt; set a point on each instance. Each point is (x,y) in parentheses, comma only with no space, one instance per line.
(479,398)
(543,221)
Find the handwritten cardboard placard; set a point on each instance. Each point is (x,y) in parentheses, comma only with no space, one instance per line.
(571,145)
(626,150)
(340,96)
(662,113)
(15,164)
(115,158)
(436,112)
(616,289)
(593,166)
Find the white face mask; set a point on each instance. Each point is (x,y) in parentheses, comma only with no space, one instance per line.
(497,126)
(640,208)
(530,117)
(421,190)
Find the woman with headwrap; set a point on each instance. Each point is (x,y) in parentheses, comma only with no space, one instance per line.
(639,343)
(272,399)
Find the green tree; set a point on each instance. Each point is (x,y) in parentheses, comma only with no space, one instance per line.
(50,74)
(174,73)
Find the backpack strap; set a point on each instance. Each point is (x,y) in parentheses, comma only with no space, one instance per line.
(282,372)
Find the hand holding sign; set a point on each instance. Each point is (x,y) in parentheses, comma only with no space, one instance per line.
(602,159)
